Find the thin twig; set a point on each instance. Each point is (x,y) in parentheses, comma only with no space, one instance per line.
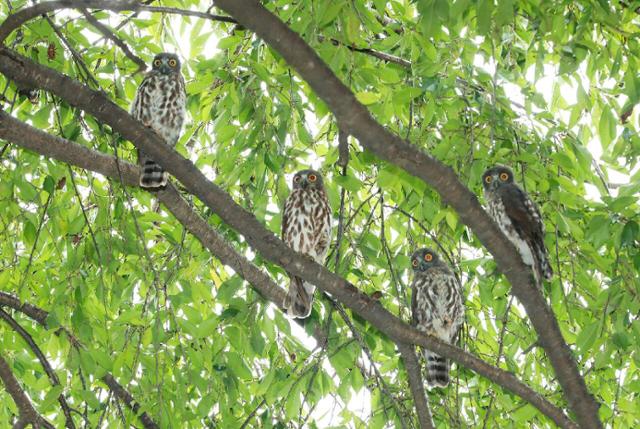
(116,40)
(35,241)
(252,414)
(505,320)
(380,381)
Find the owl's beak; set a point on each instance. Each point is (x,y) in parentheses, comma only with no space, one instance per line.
(494,183)
(304,183)
(165,69)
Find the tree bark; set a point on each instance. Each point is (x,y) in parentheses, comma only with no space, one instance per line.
(28,414)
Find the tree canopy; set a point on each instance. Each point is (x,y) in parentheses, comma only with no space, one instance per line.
(125,308)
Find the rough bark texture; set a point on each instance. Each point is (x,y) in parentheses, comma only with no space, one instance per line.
(28,414)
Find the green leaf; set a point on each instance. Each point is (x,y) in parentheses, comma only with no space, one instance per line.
(49,184)
(50,398)
(606,128)
(238,366)
(587,337)
(630,233)
(29,233)
(350,183)
(484,10)
(504,12)
(366,97)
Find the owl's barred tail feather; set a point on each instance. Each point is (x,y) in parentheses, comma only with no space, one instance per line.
(298,300)
(542,264)
(437,370)
(545,267)
(153,176)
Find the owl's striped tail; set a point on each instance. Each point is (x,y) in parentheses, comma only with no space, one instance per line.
(437,369)
(153,176)
(543,266)
(299,299)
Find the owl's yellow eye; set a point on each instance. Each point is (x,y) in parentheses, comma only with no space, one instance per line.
(428,257)
(488,179)
(296,179)
(504,177)
(312,177)
(414,263)
(157,63)
(173,63)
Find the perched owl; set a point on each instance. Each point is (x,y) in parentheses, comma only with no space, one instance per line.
(518,217)
(160,104)
(436,307)
(306,228)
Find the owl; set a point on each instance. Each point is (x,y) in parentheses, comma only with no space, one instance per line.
(306,228)
(436,307)
(519,219)
(160,105)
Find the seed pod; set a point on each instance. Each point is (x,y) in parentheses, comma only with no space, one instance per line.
(51,51)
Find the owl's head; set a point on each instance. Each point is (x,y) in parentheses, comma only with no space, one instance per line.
(423,259)
(496,176)
(166,63)
(308,179)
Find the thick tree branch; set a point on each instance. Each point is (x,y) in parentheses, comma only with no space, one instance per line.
(17,19)
(416,383)
(18,132)
(55,381)
(357,120)
(28,414)
(273,249)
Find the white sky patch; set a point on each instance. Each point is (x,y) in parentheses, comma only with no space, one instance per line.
(545,86)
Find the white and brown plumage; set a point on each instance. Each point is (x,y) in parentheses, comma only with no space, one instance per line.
(306,228)
(519,219)
(437,308)
(160,104)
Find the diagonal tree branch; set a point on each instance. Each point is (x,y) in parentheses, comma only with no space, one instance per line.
(40,316)
(106,32)
(17,19)
(266,242)
(28,414)
(357,120)
(124,395)
(55,381)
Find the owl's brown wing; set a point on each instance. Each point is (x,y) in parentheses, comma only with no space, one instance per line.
(414,302)
(285,221)
(138,110)
(524,214)
(527,221)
